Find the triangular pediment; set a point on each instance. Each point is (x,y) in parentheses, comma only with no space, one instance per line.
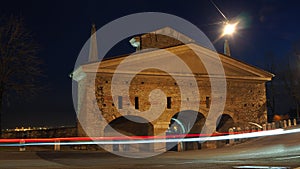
(198,59)
(174,34)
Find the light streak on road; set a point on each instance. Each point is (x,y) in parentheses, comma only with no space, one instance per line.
(140,139)
(260,167)
(287,158)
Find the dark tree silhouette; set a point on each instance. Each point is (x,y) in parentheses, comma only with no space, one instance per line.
(19,65)
(291,76)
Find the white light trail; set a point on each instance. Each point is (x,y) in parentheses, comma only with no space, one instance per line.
(199,139)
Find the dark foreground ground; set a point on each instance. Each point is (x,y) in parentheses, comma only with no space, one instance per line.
(282,150)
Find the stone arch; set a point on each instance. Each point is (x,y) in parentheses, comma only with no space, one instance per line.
(168,116)
(123,125)
(233,115)
(190,122)
(204,111)
(109,117)
(224,122)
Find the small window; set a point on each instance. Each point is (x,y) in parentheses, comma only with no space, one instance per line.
(207,101)
(120,102)
(136,102)
(169,102)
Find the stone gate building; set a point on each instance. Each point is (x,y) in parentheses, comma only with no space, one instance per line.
(245,98)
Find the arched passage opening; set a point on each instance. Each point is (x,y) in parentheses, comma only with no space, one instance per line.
(129,126)
(223,124)
(186,122)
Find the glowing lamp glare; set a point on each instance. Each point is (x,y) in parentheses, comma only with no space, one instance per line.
(229,29)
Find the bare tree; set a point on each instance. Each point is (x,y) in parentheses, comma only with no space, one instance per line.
(291,77)
(19,65)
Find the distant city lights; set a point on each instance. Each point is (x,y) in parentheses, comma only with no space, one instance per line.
(33,128)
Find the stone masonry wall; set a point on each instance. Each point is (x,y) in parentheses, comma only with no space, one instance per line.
(245,102)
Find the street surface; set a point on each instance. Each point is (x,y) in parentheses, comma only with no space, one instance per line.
(276,151)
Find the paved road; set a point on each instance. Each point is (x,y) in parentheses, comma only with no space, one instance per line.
(283,150)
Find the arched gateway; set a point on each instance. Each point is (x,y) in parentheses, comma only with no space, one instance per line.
(125,126)
(245,87)
(190,122)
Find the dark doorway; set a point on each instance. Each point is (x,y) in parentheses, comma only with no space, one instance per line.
(223,124)
(129,126)
(185,122)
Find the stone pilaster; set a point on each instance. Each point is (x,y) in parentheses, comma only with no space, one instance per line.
(89,117)
(159,129)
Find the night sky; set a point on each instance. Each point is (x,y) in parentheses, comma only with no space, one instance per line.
(62,28)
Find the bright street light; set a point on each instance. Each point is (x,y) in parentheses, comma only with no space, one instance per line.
(229,29)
